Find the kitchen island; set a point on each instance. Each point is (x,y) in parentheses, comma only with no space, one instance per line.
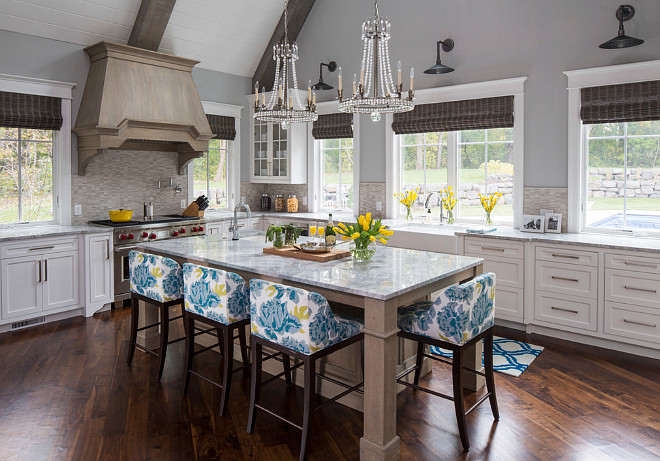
(393,278)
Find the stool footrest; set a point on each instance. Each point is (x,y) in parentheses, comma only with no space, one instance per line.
(479,402)
(339,396)
(448,362)
(278,416)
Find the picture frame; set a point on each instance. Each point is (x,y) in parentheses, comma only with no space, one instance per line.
(545,211)
(533,223)
(553,223)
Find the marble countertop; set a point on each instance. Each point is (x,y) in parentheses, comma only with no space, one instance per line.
(215,216)
(391,272)
(23,231)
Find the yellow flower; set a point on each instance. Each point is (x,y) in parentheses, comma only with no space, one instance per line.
(365,226)
(341,224)
(372,238)
(344,237)
(368,218)
(361,220)
(383,241)
(336,229)
(355,235)
(386,232)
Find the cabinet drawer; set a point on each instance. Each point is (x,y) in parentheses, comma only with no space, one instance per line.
(493,247)
(508,304)
(37,247)
(632,263)
(569,311)
(567,256)
(632,287)
(508,273)
(632,322)
(567,279)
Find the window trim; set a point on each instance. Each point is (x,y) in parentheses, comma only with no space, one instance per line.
(507,87)
(577,172)
(314,160)
(61,140)
(233,153)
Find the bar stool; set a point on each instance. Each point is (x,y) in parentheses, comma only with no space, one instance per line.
(460,316)
(156,281)
(299,324)
(221,300)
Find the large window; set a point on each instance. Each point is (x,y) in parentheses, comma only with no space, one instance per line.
(337,174)
(26,175)
(211,174)
(623,175)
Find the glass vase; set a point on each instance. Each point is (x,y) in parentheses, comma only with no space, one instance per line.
(489,221)
(278,242)
(450,216)
(363,250)
(409,215)
(289,237)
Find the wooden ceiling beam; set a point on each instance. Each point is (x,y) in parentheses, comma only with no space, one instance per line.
(150,24)
(298,12)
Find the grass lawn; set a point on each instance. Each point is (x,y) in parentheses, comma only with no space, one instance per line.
(634,203)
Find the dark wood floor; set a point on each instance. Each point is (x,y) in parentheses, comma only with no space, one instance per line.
(66,393)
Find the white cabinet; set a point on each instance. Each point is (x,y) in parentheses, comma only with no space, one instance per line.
(99,264)
(22,290)
(60,282)
(216,228)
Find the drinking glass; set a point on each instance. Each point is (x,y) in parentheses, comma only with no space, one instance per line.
(312,230)
(321,231)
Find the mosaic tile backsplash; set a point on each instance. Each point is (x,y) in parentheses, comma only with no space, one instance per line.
(553,198)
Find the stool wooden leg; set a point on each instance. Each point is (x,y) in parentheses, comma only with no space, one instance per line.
(189,322)
(134,326)
(255,385)
(164,336)
(490,380)
(286,360)
(459,405)
(309,399)
(221,341)
(243,342)
(419,360)
(227,366)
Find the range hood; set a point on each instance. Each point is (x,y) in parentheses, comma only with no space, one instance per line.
(140,100)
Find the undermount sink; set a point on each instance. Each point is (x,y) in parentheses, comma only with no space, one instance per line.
(436,237)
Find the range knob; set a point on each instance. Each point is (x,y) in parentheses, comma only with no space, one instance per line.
(145,235)
(175,234)
(194,229)
(152,236)
(130,236)
(122,237)
(200,229)
(183,231)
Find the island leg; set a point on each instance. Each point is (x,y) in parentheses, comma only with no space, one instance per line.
(380,441)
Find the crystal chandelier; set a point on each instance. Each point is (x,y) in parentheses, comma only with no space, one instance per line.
(284,106)
(375,93)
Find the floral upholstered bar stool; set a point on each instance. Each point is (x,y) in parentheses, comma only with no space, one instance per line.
(221,300)
(299,324)
(460,316)
(156,281)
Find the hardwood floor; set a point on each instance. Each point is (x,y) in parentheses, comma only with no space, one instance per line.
(66,393)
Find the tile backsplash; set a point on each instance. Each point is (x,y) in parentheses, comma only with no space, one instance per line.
(552,198)
(126,179)
(370,193)
(253,192)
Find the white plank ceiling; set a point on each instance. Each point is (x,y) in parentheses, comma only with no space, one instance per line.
(225,35)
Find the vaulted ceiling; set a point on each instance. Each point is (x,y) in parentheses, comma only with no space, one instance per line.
(225,35)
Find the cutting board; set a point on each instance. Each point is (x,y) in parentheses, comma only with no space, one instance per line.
(291,252)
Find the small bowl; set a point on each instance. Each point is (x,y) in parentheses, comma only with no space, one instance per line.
(120,215)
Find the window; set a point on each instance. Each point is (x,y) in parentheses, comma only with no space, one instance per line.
(210,174)
(623,175)
(26,175)
(337,177)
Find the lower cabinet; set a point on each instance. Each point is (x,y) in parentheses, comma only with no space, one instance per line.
(99,262)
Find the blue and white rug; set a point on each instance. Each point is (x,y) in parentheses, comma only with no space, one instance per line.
(509,357)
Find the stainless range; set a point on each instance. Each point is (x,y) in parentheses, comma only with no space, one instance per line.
(127,234)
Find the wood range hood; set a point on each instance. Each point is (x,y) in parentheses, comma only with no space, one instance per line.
(140,100)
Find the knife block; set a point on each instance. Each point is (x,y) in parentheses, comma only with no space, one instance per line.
(193,211)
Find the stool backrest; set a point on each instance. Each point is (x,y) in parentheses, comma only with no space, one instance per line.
(154,276)
(215,294)
(298,319)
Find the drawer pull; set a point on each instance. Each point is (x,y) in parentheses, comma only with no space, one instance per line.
(630,263)
(492,249)
(555,277)
(557,255)
(645,290)
(652,325)
(39,272)
(563,310)
(49,247)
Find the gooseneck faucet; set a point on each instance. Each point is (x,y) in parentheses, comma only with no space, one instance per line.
(426,204)
(234,227)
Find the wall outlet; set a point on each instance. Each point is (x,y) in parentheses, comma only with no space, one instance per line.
(379,206)
(77,210)
(183,204)
(305,200)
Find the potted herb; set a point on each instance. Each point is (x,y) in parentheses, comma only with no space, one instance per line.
(274,234)
(291,234)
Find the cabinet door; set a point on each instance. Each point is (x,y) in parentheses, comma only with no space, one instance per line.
(280,156)
(215,229)
(21,286)
(260,161)
(60,286)
(100,271)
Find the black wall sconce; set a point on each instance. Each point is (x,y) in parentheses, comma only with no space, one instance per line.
(623,13)
(440,68)
(321,85)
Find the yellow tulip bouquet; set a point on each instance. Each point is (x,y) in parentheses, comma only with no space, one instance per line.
(488,202)
(364,232)
(448,203)
(408,199)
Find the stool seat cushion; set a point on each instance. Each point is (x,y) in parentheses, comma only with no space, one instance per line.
(215,294)
(458,314)
(155,277)
(298,319)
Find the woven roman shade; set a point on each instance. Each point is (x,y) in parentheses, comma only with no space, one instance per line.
(628,102)
(469,114)
(333,126)
(222,127)
(18,110)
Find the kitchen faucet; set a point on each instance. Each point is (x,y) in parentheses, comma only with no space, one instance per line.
(234,227)
(426,204)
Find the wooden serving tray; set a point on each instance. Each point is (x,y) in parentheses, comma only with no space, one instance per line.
(291,252)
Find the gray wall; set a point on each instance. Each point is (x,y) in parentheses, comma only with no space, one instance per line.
(494,40)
